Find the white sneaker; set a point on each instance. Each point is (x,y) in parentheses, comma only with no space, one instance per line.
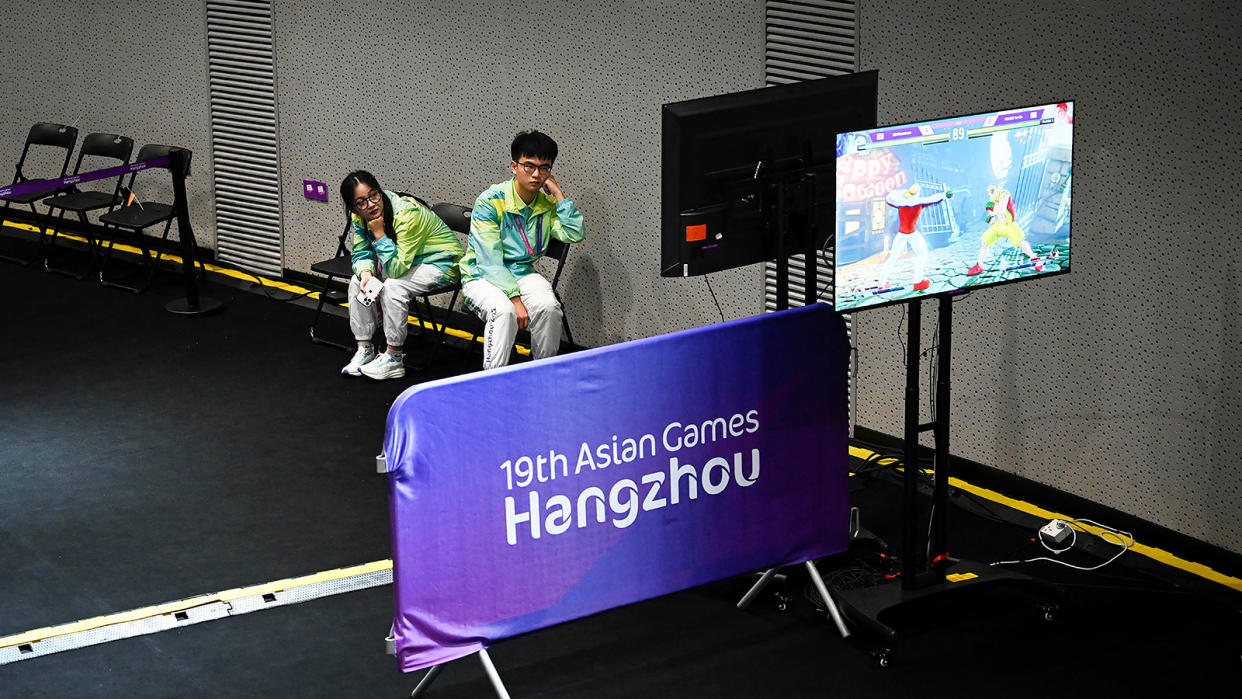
(365,354)
(384,367)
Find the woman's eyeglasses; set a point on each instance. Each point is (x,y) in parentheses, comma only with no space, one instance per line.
(373,197)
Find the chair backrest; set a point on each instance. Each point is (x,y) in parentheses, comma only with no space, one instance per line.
(455,216)
(48,134)
(341,247)
(106,145)
(418,199)
(151,151)
(559,251)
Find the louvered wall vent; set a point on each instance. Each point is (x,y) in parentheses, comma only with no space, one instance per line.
(805,40)
(241,69)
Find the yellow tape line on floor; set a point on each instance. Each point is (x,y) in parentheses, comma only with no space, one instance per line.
(1153,553)
(247,276)
(192,602)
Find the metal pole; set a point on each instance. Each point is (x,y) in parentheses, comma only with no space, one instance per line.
(910,567)
(940,496)
(192,304)
(778,246)
(492,675)
(428,678)
(823,592)
(810,262)
(755,589)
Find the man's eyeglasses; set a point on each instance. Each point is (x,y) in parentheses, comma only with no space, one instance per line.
(373,197)
(530,167)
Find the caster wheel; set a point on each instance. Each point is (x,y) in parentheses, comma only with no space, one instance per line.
(1050,612)
(883,657)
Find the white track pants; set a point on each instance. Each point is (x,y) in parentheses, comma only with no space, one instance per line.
(900,241)
(394,300)
(496,310)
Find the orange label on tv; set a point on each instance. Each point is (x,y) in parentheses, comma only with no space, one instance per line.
(698,232)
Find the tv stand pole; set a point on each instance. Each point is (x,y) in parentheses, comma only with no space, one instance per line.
(781,226)
(921,578)
(780,230)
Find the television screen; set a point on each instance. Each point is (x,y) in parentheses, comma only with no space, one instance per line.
(953,204)
(725,157)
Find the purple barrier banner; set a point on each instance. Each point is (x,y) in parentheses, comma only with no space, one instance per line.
(531,495)
(19,189)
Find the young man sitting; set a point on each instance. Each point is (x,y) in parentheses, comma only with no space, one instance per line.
(510,228)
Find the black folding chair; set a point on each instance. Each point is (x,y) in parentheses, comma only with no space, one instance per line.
(340,265)
(47,136)
(559,250)
(458,218)
(138,215)
(97,146)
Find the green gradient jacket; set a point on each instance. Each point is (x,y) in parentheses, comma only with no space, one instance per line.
(507,235)
(422,238)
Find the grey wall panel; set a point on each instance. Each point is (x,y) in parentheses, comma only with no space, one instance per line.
(134,68)
(428,96)
(1121,381)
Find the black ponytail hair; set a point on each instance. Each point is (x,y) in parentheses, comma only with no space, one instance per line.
(351,182)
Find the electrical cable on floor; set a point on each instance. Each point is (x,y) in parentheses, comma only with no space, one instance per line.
(263,287)
(823,250)
(709,288)
(1123,540)
(901,340)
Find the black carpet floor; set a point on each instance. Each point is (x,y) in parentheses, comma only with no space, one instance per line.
(146,457)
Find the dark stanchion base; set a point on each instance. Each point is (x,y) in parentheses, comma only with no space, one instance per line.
(16,260)
(868,607)
(206,306)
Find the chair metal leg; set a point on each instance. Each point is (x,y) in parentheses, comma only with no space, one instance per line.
(23,261)
(439,331)
(91,250)
(569,336)
(147,264)
(48,241)
(318,314)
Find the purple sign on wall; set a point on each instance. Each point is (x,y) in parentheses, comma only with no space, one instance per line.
(539,493)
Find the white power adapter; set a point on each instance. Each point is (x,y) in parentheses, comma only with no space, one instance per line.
(1055,532)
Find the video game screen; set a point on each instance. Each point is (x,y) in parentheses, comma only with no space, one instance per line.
(952,204)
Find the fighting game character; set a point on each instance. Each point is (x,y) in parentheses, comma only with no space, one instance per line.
(1001,215)
(909,205)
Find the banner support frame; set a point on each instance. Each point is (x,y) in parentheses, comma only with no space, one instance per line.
(488,666)
(811,570)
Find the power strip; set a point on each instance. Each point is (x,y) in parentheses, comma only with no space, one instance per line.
(1055,532)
